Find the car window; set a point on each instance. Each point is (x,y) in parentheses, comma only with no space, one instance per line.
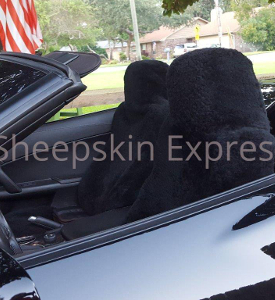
(14,78)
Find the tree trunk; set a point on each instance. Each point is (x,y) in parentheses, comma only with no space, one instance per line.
(129,41)
(122,46)
(110,50)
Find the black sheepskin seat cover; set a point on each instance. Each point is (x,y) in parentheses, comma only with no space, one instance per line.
(115,183)
(214,97)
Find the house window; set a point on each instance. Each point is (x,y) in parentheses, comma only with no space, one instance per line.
(143,47)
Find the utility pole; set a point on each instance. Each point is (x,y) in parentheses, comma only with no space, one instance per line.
(219,21)
(135,27)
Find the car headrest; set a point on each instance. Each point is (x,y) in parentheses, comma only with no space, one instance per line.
(144,84)
(212,88)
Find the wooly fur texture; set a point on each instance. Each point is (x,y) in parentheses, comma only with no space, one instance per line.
(214,96)
(114,184)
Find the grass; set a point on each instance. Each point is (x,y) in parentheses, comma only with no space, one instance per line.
(264,68)
(101,81)
(92,109)
(112,80)
(115,65)
(255,53)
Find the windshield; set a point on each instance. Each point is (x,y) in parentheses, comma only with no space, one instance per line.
(14,78)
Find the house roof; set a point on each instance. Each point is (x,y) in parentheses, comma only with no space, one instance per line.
(186,31)
(228,22)
(157,35)
(164,33)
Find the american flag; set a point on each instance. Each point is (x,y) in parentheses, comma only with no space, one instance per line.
(19,27)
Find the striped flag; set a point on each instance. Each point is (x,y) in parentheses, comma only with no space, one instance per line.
(19,27)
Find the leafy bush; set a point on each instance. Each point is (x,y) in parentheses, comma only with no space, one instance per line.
(113,62)
(260,30)
(104,61)
(122,56)
(99,50)
(145,57)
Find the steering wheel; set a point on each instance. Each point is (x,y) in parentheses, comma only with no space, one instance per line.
(8,241)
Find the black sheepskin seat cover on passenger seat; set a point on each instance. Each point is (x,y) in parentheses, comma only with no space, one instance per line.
(107,184)
(214,96)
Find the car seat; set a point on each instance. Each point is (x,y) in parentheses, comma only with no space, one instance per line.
(115,181)
(214,97)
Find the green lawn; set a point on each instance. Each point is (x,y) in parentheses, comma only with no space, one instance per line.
(115,65)
(255,53)
(92,109)
(112,80)
(264,68)
(104,80)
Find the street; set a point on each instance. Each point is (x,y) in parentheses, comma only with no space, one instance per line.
(263,57)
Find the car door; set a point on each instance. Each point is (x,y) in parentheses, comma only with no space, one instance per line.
(15,283)
(48,173)
(187,253)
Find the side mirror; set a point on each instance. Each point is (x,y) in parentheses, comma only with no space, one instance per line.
(15,283)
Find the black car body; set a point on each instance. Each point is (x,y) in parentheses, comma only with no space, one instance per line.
(218,244)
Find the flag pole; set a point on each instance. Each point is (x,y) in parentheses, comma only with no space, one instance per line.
(135,27)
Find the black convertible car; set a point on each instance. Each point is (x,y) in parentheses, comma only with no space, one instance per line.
(85,217)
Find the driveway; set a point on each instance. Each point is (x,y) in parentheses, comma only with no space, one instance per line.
(264,57)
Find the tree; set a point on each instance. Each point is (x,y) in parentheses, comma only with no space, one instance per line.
(200,9)
(66,22)
(114,17)
(179,6)
(260,29)
(257,22)
(245,9)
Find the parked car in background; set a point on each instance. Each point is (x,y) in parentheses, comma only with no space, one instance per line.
(184,48)
(215,46)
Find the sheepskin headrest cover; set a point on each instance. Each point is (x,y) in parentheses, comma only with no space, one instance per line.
(213,88)
(144,81)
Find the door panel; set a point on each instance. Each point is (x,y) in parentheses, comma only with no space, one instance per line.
(89,128)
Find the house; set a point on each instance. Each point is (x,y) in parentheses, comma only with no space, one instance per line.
(154,43)
(230,33)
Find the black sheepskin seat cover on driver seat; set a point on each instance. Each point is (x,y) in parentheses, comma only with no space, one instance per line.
(214,97)
(115,183)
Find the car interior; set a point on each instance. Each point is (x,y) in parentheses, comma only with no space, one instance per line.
(204,95)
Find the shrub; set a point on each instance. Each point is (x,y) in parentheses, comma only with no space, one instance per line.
(145,57)
(122,56)
(113,62)
(104,61)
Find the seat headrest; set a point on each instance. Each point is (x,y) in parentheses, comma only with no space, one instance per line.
(144,81)
(211,88)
